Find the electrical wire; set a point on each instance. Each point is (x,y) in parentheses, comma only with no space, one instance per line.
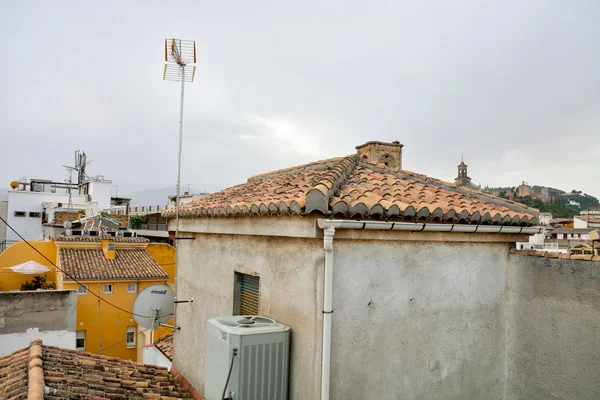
(69,276)
(229,374)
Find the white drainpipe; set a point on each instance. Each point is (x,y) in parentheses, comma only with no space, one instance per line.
(330,225)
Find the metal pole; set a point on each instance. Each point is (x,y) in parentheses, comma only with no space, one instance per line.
(179,179)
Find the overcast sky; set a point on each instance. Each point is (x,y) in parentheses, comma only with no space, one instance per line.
(514,86)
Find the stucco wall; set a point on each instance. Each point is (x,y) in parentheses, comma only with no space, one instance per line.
(418,320)
(290,272)
(553,329)
(49,315)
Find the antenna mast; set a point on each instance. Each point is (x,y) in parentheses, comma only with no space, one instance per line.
(179,55)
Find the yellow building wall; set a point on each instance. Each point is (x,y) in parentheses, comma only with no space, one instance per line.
(19,253)
(107,320)
(113,322)
(164,254)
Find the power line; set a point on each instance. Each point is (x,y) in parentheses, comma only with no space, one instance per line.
(68,275)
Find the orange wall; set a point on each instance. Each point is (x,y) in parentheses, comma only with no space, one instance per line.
(164,254)
(113,322)
(19,253)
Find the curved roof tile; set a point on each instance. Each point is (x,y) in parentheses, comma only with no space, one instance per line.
(347,186)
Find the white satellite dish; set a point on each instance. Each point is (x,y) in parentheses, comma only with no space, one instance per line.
(154,306)
(67,224)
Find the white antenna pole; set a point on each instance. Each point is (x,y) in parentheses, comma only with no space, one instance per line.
(179,161)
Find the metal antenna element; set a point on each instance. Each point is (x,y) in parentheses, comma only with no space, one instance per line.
(179,54)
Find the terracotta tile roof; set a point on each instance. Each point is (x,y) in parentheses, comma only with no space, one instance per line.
(165,346)
(13,375)
(353,188)
(69,374)
(118,239)
(128,263)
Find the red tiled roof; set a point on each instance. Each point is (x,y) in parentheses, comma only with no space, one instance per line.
(91,263)
(69,374)
(165,346)
(351,187)
(118,239)
(13,375)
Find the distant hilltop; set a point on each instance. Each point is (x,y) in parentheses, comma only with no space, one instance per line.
(547,199)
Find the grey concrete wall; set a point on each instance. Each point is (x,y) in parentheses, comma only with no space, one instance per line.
(290,271)
(48,314)
(418,320)
(553,341)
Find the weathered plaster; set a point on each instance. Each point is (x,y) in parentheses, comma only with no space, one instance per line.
(290,272)
(49,315)
(553,329)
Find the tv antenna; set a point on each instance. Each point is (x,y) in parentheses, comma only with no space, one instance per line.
(179,55)
(70,182)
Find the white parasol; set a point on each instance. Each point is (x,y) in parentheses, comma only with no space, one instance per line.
(30,268)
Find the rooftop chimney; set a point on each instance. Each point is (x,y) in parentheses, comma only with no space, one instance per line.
(389,155)
(108,248)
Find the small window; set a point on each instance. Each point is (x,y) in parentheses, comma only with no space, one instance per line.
(82,289)
(108,288)
(20,213)
(80,340)
(130,338)
(35,214)
(131,287)
(246,294)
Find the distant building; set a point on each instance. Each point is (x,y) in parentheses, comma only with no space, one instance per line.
(545,218)
(523,190)
(463,178)
(571,233)
(586,221)
(38,208)
(185,198)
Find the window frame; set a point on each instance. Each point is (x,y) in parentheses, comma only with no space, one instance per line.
(85,287)
(134,288)
(112,288)
(80,338)
(130,330)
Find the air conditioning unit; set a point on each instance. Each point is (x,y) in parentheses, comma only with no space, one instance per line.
(129,234)
(94,233)
(76,233)
(257,351)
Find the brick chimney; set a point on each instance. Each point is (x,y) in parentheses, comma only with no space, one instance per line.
(387,154)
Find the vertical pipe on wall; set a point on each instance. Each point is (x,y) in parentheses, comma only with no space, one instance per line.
(328,232)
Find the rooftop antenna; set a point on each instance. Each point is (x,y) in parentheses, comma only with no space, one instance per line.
(70,182)
(179,55)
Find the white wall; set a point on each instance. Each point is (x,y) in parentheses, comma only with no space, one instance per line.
(100,191)
(154,357)
(16,341)
(579,223)
(3,214)
(32,228)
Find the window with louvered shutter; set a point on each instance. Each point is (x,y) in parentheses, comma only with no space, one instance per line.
(246,294)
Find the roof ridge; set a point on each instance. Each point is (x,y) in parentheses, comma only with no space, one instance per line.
(424,179)
(319,196)
(296,168)
(35,389)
